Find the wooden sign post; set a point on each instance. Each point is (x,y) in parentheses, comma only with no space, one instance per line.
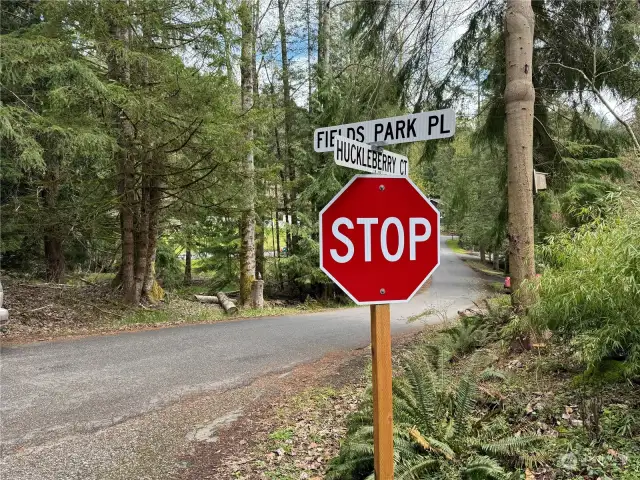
(380,239)
(382,399)
(380,242)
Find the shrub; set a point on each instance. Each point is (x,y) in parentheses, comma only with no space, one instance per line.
(169,269)
(437,429)
(590,291)
(468,335)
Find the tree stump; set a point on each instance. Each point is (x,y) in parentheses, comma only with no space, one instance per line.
(257,296)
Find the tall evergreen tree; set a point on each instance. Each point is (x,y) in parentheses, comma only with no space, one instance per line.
(247,221)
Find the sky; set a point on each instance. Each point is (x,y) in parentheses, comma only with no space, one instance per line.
(452,21)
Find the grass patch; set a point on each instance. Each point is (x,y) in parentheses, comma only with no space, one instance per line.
(282,434)
(180,310)
(478,266)
(497,287)
(454,244)
(146,317)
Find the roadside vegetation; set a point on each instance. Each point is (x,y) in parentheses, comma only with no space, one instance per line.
(44,310)
(550,393)
(454,244)
(553,393)
(590,291)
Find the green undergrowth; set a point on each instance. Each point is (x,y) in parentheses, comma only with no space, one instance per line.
(484,268)
(589,294)
(178,310)
(454,244)
(470,403)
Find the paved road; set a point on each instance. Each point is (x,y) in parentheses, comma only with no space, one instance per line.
(56,388)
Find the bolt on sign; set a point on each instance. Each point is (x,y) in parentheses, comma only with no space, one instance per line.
(388,131)
(360,156)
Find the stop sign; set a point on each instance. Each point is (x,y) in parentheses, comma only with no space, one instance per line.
(379,239)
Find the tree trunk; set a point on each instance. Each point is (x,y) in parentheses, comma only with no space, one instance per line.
(207,299)
(286,212)
(227,304)
(257,295)
(119,71)
(256,92)
(285,198)
(54,254)
(52,240)
(151,291)
(187,267)
(247,220)
(222,14)
(142,232)
(309,55)
(288,123)
(324,28)
(275,241)
(260,249)
(254,64)
(519,102)
(277,220)
(483,254)
(496,261)
(127,214)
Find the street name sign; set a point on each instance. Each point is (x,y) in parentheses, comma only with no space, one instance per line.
(360,156)
(379,239)
(414,127)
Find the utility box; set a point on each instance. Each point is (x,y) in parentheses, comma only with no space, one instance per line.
(539,181)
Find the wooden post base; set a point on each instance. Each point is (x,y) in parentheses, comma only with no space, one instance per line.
(382,396)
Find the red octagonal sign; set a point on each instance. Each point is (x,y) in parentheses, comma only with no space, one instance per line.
(379,239)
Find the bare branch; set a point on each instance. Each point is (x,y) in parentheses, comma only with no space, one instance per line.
(604,101)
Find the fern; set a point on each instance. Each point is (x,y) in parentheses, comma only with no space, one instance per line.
(464,403)
(483,467)
(421,390)
(510,446)
(468,335)
(435,432)
(490,374)
(414,470)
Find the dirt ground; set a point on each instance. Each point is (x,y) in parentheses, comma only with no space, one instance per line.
(44,311)
(295,431)
(40,311)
